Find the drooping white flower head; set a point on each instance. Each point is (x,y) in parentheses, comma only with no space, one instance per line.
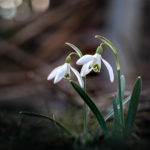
(63,71)
(93,62)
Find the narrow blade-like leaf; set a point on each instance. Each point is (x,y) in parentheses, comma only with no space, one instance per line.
(133,106)
(122,79)
(116,117)
(91,105)
(112,112)
(75,48)
(97,133)
(110,115)
(48,118)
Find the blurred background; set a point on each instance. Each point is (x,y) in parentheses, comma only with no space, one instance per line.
(32,42)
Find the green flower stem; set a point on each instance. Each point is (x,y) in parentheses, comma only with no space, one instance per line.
(75,49)
(85,113)
(100,49)
(111,46)
(68,58)
(120,99)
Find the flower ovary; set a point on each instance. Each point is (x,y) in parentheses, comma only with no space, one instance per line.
(99,50)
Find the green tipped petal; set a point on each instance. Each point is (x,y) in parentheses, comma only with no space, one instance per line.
(96,68)
(67,76)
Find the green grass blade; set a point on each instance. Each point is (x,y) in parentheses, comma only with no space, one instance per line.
(112,112)
(133,106)
(91,105)
(75,48)
(48,118)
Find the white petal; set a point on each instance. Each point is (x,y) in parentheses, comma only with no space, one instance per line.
(53,73)
(60,73)
(84,59)
(97,56)
(68,69)
(78,77)
(97,60)
(85,68)
(110,70)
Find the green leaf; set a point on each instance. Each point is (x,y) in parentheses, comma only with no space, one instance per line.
(122,78)
(91,105)
(46,117)
(133,106)
(75,48)
(112,112)
(122,84)
(110,115)
(121,111)
(115,110)
(116,117)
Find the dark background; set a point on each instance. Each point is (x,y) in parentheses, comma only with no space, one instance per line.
(32,43)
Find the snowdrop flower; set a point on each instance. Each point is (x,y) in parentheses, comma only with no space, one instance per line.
(93,62)
(63,71)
